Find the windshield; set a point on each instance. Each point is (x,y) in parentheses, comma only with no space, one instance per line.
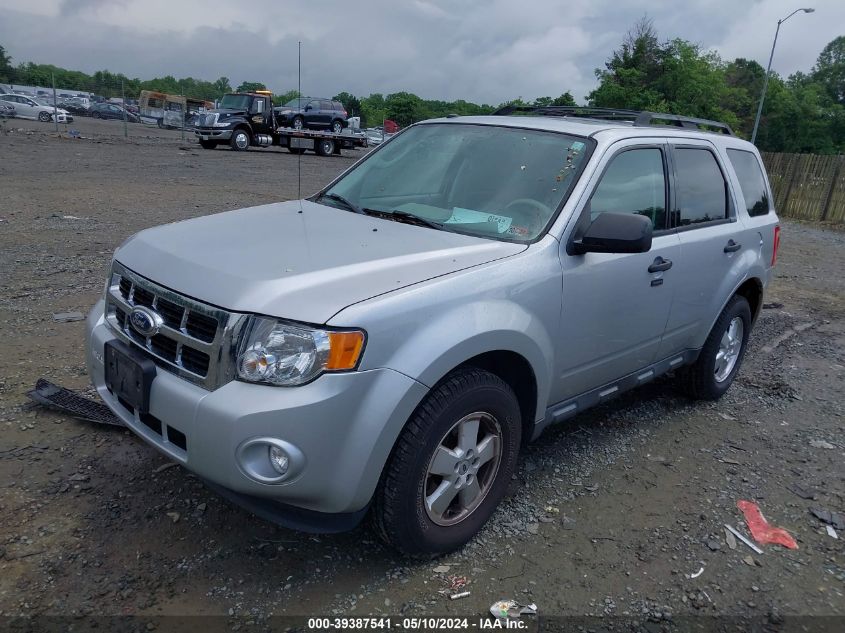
(235,102)
(485,180)
(297,103)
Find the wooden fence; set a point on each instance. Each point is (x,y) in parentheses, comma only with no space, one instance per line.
(808,186)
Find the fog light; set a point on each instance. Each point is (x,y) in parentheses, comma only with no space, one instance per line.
(279,460)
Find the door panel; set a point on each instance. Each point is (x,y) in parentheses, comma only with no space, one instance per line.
(614,309)
(711,238)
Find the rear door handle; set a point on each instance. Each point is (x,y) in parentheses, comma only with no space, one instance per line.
(732,247)
(659,265)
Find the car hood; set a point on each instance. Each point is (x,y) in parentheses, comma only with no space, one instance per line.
(304,266)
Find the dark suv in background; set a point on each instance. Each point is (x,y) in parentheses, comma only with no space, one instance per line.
(311,112)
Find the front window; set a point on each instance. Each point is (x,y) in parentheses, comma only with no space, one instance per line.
(495,182)
(235,102)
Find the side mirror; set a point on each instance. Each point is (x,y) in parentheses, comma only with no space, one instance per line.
(615,233)
(308,107)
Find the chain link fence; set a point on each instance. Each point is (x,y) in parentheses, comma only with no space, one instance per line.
(105,109)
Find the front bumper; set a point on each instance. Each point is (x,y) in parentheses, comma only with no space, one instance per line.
(213,134)
(345,426)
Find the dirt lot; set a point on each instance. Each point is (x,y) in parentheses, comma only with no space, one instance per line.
(611,514)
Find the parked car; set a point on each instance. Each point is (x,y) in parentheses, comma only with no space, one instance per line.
(74,107)
(309,112)
(105,110)
(29,108)
(388,345)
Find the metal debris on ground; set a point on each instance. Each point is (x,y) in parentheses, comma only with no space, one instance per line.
(697,574)
(52,395)
(730,539)
(761,530)
(821,444)
(832,518)
(736,533)
(68,317)
(504,609)
(831,532)
(458,596)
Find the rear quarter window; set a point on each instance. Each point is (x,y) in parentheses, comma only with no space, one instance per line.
(751,181)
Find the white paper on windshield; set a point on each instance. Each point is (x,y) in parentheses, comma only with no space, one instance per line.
(468,216)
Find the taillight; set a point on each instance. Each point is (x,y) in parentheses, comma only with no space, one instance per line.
(775,245)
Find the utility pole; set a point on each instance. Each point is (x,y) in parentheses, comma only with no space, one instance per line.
(123,96)
(768,69)
(55,104)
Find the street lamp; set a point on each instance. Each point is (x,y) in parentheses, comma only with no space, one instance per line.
(768,69)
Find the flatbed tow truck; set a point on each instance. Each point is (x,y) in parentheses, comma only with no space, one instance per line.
(246,119)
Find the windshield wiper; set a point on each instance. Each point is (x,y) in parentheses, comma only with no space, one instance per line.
(409,218)
(349,205)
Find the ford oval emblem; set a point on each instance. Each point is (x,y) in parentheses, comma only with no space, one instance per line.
(145,321)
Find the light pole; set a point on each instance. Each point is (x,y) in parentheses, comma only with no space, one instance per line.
(768,69)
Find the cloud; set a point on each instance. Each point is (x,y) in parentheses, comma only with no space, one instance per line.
(480,50)
(72,7)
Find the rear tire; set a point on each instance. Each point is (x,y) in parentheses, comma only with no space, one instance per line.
(240,140)
(721,357)
(337,126)
(325,147)
(208,144)
(422,513)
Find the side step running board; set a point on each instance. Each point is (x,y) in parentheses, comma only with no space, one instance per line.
(54,396)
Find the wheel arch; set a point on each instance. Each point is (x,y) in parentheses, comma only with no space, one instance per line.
(518,373)
(752,290)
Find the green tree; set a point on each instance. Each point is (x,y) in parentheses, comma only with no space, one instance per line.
(829,70)
(350,102)
(221,87)
(6,69)
(250,86)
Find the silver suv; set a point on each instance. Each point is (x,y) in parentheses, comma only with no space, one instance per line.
(388,345)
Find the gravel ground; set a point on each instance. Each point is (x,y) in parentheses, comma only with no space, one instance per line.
(610,514)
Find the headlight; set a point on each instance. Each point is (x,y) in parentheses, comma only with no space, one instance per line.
(284,354)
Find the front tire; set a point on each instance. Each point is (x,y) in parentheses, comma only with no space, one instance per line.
(240,140)
(298,123)
(721,357)
(44,117)
(451,465)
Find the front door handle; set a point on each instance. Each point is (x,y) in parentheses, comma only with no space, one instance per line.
(659,265)
(732,247)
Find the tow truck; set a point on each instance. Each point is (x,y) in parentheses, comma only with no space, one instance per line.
(246,119)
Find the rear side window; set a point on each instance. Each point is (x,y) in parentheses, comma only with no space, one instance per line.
(701,193)
(634,182)
(751,181)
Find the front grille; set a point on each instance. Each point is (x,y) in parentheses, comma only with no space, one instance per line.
(194,340)
(206,120)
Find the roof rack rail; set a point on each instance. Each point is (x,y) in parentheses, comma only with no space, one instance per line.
(635,117)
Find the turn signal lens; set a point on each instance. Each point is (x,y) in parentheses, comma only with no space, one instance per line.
(344,350)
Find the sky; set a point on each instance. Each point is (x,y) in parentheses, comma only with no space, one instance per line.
(486,51)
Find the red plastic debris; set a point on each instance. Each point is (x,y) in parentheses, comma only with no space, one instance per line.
(761,530)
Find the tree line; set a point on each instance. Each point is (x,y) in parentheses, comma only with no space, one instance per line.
(803,113)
